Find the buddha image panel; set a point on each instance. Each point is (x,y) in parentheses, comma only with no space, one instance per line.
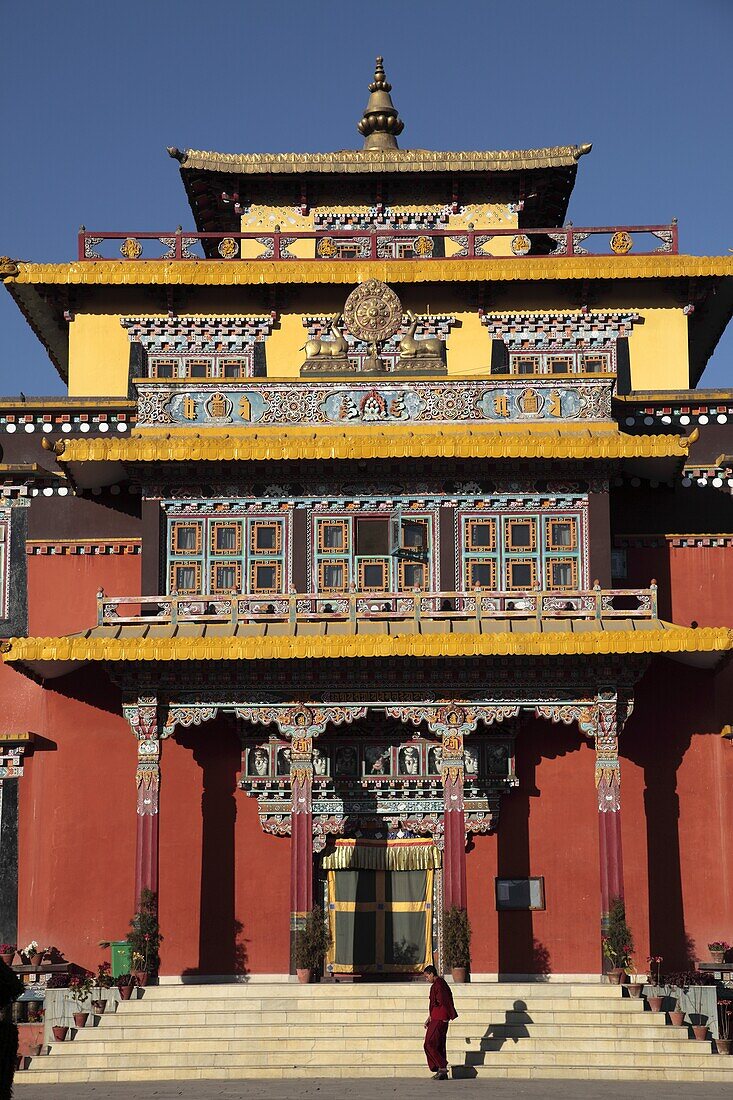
(346,761)
(258,761)
(409,760)
(377,760)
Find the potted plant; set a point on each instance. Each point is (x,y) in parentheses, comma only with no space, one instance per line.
(618,943)
(7,953)
(125,984)
(655,967)
(80,987)
(312,941)
(457,943)
(694,981)
(725,1027)
(634,987)
(32,954)
(103,980)
(718,949)
(144,938)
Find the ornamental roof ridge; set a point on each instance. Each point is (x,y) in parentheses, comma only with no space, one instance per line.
(383,160)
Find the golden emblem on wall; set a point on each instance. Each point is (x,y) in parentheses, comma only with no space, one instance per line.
(521,244)
(373,312)
(131,249)
(423,246)
(621,242)
(228,248)
(326,247)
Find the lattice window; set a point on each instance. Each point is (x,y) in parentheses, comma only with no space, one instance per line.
(265,577)
(233,368)
(265,538)
(521,573)
(226,576)
(163,368)
(481,574)
(333,575)
(412,575)
(226,538)
(525,364)
(186,538)
(561,533)
(480,535)
(185,577)
(596,364)
(530,547)
(373,574)
(561,573)
(560,364)
(520,534)
(332,536)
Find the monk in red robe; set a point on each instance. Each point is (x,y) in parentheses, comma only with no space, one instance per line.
(442,1011)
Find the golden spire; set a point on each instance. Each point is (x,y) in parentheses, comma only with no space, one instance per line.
(381,123)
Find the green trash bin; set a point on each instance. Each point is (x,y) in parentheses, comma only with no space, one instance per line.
(121,953)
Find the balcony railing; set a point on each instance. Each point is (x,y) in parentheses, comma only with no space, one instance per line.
(596,603)
(382,244)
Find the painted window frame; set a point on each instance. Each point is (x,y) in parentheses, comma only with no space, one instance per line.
(321,554)
(215,365)
(205,557)
(542,551)
(576,359)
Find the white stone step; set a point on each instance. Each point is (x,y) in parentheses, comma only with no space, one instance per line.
(343,1005)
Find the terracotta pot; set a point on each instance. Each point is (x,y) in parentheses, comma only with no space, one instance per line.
(80,1019)
(59,1033)
(723,1045)
(635,988)
(141,977)
(35,1050)
(717,956)
(98,1007)
(700,1031)
(304,974)
(126,991)
(677,1019)
(37,959)
(7,957)
(460,974)
(655,1003)
(617,975)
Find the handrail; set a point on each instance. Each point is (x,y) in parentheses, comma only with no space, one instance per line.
(376,243)
(478,604)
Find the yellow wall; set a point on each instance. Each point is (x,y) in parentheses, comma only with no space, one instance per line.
(99,347)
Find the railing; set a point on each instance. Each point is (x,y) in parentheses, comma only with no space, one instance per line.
(383,244)
(596,603)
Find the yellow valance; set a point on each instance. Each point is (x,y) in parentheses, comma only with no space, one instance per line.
(383,855)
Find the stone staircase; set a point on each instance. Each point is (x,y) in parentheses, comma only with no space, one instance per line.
(277,1030)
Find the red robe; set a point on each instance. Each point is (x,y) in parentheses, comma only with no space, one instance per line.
(442,1011)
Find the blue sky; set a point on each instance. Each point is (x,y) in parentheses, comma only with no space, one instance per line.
(94,90)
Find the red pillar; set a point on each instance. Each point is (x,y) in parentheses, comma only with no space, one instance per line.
(454,822)
(143,718)
(608,785)
(301,836)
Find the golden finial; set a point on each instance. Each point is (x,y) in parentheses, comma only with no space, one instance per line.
(381,123)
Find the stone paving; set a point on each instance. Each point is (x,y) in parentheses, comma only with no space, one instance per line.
(367,1089)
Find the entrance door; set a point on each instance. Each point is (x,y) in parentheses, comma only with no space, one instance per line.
(381,921)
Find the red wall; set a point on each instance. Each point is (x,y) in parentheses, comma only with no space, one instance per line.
(62,589)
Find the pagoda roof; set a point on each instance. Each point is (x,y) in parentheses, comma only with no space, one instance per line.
(206,175)
(89,458)
(54,656)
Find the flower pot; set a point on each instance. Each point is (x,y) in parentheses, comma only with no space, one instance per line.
(37,959)
(7,957)
(98,1007)
(635,988)
(655,1003)
(59,1033)
(304,974)
(617,975)
(700,1031)
(141,977)
(80,1019)
(717,956)
(460,974)
(677,1019)
(723,1045)
(35,1049)
(126,991)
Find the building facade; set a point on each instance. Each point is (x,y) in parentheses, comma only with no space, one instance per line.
(382,532)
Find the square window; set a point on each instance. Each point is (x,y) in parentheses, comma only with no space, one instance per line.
(481,574)
(234,368)
(525,364)
(560,364)
(412,575)
(521,534)
(226,577)
(264,577)
(520,893)
(266,538)
(226,538)
(595,364)
(198,368)
(186,538)
(562,574)
(332,537)
(561,534)
(480,534)
(186,578)
(332,576)
(520,575)
(163,368)
(414,535)
(373,576)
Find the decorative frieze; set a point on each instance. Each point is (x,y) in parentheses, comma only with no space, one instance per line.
(72,547)
(376,401)
(203,336)
(581,331)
